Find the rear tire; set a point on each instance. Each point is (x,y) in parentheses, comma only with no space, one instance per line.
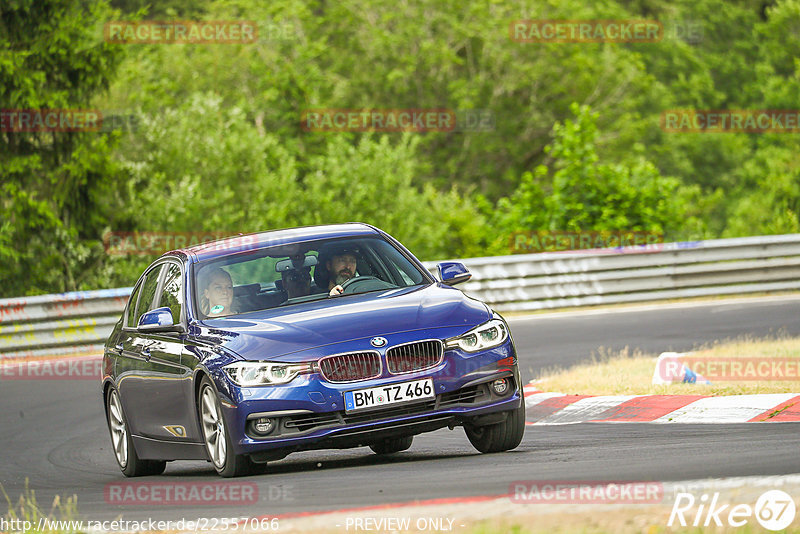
(122,443)
(392,445)
(501,436)
(216,437)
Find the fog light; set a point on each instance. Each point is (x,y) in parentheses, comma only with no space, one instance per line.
(500,386)
(264,425)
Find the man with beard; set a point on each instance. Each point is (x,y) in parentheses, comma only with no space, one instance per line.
(341,268)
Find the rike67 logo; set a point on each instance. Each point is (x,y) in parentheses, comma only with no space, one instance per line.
(774,510)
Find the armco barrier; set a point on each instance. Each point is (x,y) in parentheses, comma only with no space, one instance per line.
(67,323)
(81,321)
(608,276)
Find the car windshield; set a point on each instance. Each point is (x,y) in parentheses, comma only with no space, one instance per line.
(291,274)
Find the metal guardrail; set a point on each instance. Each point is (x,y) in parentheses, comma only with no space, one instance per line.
(67,323)
(634,274)
(80,322)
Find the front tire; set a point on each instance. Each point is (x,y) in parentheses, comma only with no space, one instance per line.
(121,441)
(500,436)
(219,445)
(392,445)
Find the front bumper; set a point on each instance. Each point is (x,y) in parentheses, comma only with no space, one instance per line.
(310,411)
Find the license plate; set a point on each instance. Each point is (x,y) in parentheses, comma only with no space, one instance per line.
(361,399)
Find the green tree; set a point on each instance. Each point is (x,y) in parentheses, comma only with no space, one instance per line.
(373,182)
(203,167)
(57,187)
(768,201)
(582,193)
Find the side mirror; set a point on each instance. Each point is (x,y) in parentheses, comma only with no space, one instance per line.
(452,272)
(158,320)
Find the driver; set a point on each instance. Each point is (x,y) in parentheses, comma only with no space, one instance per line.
(341,268)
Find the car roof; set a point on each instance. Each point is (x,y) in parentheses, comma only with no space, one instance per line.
(243,242)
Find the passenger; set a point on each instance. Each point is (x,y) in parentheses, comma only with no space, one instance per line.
(217,297)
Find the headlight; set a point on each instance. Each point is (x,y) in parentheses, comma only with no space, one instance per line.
(264,373)
(485,336)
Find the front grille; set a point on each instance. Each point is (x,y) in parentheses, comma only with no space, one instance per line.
(308,421)
(386,413)
(414,356)
(350,367)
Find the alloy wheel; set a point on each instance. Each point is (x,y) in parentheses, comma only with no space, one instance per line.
(119,433)
(213,427)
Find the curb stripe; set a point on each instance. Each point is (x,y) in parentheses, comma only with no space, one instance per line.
(729,409)
(550,406)
(789,411)
(545,408)
(539,397)
(646,408)
(587,409)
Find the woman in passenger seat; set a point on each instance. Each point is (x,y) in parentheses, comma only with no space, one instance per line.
(217,297)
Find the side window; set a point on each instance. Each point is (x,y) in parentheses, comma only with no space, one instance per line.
(171,295)
(146,301)
(398,264)
(406,279)
(129,318)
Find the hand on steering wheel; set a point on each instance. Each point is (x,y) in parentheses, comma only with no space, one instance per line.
(342,289)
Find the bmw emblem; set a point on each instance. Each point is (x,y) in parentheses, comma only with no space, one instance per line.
(378,341)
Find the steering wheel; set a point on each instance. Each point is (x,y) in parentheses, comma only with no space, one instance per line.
(353,283)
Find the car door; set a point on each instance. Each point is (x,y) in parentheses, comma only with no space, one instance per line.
(150,374)
(170,386)
(131,367)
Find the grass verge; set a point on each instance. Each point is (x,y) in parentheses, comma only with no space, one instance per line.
(626,373)
(26,515)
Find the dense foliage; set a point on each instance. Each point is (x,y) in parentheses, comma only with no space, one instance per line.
(217,144)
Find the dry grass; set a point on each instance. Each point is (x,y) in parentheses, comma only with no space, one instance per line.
(624,373)
(505,517)
(27,509)
(615,521)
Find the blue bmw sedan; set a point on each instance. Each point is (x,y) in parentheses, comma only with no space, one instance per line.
(243,350)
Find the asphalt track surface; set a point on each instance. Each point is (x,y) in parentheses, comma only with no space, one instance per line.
(54,433)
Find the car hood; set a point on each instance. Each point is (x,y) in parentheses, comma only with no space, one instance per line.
(277,332)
